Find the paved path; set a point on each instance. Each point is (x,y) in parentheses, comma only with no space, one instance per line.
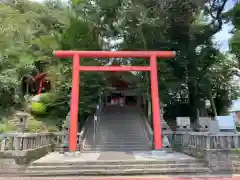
(224,177)
(56,157)
(116,155)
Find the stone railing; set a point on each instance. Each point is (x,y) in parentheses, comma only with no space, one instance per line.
(59,138)
(215,148)
(24,141)
(28,141)
(205,140)
(24,147)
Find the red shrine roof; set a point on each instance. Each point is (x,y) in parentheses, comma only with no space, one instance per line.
(120,80)
(118,83)
(40,76)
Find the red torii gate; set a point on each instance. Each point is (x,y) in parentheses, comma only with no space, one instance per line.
(76,68)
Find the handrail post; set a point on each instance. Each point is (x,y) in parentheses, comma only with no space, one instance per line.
(3,143)
(94,130)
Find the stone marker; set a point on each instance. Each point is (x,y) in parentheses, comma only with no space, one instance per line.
(202,125)
(226,123)
(183,124)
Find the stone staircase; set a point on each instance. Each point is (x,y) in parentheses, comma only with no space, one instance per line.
(119,129)
(122,147)
(178,164)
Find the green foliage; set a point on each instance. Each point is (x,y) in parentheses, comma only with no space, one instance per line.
(38,108)
(48,98)
(7,127)
(36,126)
(181,26)
(235,43)
(30,31)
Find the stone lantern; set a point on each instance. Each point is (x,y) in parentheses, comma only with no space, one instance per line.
(213,124)
(22,121)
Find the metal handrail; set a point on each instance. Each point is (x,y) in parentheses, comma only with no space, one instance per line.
(96,119)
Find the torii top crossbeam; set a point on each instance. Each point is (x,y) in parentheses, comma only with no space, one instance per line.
(115,54)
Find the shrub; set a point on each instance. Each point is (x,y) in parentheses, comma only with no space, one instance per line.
(47,98)
(38,108)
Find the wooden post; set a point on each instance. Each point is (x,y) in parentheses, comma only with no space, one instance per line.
(74,104)
(155,104)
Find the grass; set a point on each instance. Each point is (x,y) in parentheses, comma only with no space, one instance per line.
(236,151)
(35,124)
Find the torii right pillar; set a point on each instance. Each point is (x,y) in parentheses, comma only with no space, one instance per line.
(157,130)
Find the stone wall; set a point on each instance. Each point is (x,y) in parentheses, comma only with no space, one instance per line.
(215,149)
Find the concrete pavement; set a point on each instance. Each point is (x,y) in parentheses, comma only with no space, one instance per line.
(220,177)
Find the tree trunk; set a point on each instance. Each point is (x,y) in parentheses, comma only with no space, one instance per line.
(193,91)
(214,110)
(193,102)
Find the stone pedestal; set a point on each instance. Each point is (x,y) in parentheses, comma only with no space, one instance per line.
(213,127)
(202,125)
(166,130)
(166,142)
(184,129)
(21,124)
(22,121)
(183,124)
(197,127)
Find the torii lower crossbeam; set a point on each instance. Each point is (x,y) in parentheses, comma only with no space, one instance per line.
(77,68)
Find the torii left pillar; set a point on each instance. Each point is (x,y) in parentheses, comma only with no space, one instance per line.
(76,55)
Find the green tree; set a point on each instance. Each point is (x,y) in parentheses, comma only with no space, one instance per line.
(29,32)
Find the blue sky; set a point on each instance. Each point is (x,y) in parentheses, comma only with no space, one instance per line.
(223,36)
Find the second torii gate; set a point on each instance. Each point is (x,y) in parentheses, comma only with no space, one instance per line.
(77,68)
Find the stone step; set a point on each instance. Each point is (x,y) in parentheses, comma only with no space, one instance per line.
(122,132)
(129,138)
(119,122)
(127,126)
(119,162)
(121,145)
(98,149)
(124,142)
(118,130)
(119,133)
(112,139)
(132,171)
(117,145)
(106,166)
(92,149)
(119,141)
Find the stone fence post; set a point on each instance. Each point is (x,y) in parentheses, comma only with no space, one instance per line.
(21,128)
